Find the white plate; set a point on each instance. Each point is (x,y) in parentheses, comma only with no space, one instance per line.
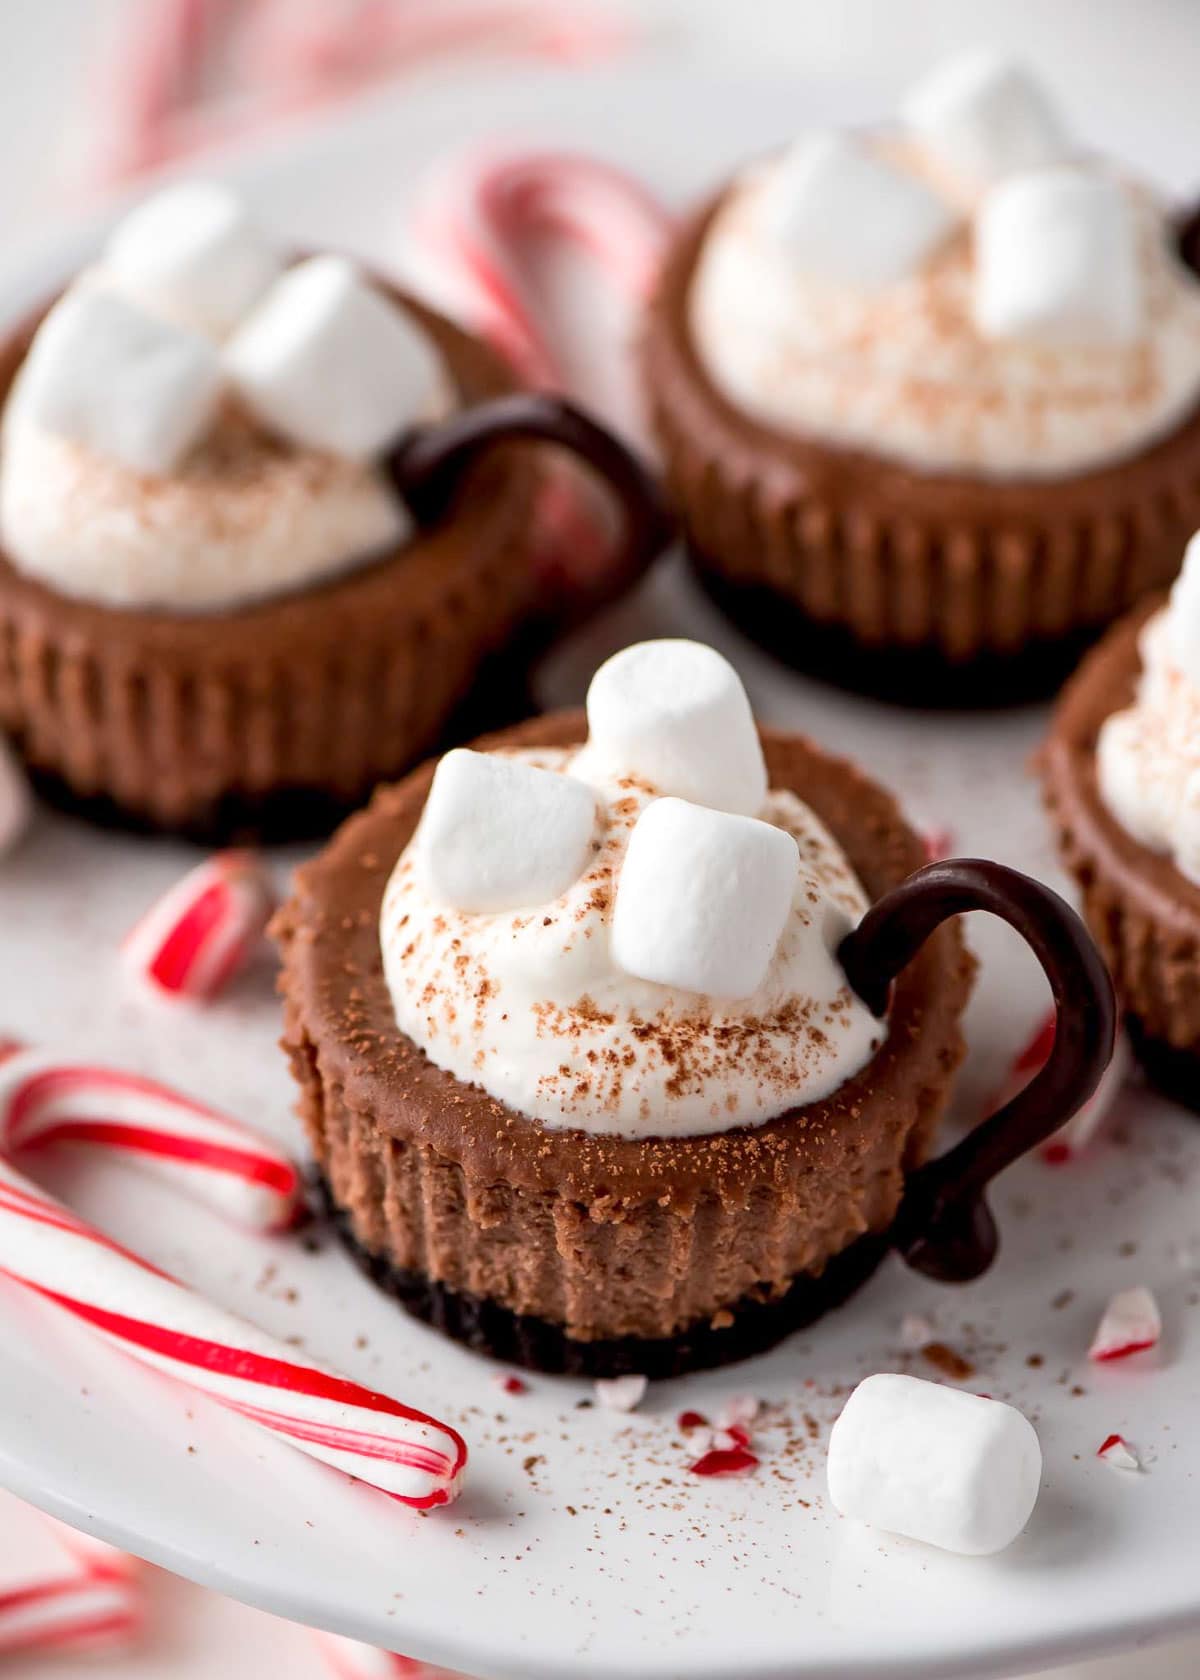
(581,1546)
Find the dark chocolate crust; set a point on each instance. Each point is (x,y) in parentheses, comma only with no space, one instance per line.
(952,568)
(282,712)
(1144,914)
(755,1324)
(606,1237)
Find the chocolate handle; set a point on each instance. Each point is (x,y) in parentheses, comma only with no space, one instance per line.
(429,464)
(944,1227)
(1187,236)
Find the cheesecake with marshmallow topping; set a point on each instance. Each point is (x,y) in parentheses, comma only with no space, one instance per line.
(582,1073)
(1121,779)
(929,393)
(252,558)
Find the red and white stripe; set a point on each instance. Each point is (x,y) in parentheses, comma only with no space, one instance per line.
(189,76)
(1088,1122)
(478,215)
(243,1175)
(141,1310)
(86,1596)
(204,929)
(479,225)
(349,1659)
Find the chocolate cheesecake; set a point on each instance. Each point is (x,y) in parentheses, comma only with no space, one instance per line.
(232,595)
(915,461)
(1119,777)
(530,1123)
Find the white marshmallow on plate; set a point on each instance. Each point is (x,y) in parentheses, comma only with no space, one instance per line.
(934,1464)
(193,253)
(1056,261)
(702,898)
(674,713)
(122,382)
(983,116)
(329,361)
(497,834)
(848,217)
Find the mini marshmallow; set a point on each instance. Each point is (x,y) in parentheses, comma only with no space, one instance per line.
(124,383)
(848,217)
(675,714)
(329,361)
(1056,261)
(702,899)
(497,834)
(193,254)
(934,1464)
(983,116)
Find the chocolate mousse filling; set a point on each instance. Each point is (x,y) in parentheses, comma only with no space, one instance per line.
(586,1252)
(946,588)
(1144,914)
(275,716)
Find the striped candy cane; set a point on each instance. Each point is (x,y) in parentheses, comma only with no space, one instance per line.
(204,929)
(474,220)
(279,60)
(349,1659)
(469,245)
(133,1305)
(243,1175)
(1086,1125)
(89,1597)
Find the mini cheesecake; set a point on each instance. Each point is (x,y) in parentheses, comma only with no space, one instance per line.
(224,608)
(540,1118)
(928,395)
(1121,780)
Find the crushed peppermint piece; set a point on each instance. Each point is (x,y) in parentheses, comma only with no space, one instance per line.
(1116,1450)
(508,1384)
(916,1331)
(1086,1124)
(938,843)
(1131,1324)
(620,1394)
(739,1409)
(686,1422)
(724,1461)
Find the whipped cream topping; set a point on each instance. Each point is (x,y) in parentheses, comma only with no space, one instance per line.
(903,369)
(532,1006)
(119,485)
(1148,755)
(245,517)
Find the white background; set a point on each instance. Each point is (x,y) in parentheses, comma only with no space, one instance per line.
(1138,57)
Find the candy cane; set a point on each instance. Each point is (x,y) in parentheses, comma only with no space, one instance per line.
(468,246)
(349,1659)
(245,1176)
(141,1310)
(476,214)
(289,60)
(89,1597)
(204,929)
(1088,1122)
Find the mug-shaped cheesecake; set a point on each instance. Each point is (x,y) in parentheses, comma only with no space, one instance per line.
(1121,779)
(627,1053)
(257,538)
(928,393)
